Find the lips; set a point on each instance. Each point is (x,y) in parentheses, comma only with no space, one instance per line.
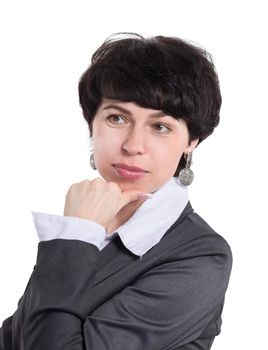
(129,172)
(130,168)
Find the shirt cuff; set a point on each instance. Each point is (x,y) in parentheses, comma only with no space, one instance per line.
(50,226)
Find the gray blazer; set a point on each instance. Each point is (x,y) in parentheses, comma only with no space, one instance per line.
(81,298)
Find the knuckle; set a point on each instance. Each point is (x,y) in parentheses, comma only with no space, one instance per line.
(73,186)
(114,187)
(112,184)
(97,182)
(86,181)
(71,189)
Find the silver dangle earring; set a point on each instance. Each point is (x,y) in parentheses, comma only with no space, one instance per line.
(186,175)
(92,162)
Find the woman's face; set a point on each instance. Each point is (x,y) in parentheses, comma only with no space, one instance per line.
(125,133)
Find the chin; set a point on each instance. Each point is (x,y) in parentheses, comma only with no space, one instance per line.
(126,185)
(131,186)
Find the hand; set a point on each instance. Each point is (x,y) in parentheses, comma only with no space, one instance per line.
(98,200)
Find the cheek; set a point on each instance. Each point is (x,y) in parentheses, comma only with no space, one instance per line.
(105,142)
(169,154)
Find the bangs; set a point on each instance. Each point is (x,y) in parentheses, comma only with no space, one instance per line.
(144,74)
(145,88)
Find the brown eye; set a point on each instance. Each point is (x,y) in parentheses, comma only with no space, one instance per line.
(114,118)
(161,128)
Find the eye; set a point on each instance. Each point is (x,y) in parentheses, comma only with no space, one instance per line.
(114,118)
(161,128)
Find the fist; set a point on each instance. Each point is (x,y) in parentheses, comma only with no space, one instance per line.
(98,200)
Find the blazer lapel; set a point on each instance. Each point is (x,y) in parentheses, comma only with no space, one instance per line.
(115,256)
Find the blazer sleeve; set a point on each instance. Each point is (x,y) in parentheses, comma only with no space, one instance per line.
(171,303)
(54,306)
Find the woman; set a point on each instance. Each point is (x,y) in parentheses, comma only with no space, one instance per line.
(130,265)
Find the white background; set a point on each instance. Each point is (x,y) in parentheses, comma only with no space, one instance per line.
(45,47)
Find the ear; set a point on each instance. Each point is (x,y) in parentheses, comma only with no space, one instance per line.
(192,146)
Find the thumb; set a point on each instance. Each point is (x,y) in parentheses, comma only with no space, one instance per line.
(133,195)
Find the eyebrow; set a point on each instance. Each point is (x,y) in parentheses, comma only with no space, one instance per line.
(126,111)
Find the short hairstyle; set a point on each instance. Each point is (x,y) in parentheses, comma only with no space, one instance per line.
(163,73)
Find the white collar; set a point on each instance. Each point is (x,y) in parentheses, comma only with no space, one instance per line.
(153,218)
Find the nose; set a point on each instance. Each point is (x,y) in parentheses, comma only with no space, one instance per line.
(134,142)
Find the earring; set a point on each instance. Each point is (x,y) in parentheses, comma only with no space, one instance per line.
(186,175)
(92,162)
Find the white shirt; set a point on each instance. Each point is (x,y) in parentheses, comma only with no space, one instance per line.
(139,234)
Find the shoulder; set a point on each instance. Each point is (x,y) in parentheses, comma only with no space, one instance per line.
(206,233)
(191,238)
(190,227)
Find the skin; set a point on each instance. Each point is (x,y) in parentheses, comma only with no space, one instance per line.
(132,137)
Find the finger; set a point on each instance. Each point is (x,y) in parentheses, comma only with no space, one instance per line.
(133,195)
